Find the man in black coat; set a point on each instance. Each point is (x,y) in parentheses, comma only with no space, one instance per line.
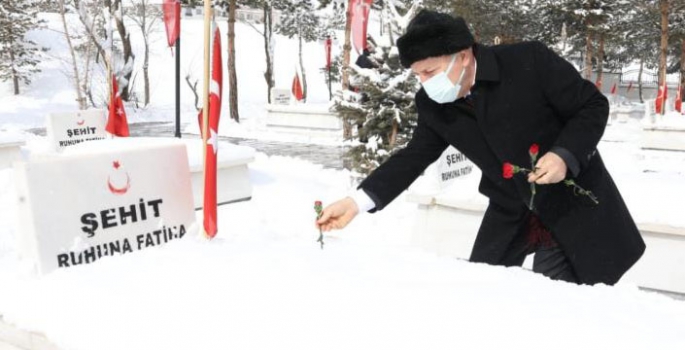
(493,103)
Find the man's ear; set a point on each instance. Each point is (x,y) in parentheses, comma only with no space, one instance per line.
(467,56)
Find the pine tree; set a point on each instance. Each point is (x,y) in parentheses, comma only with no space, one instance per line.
(300,20)
(383,109)
(332,16)
(586,28)
(492,21)
(19,56)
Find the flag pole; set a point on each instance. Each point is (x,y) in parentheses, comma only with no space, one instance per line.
(110,69)
(205,105)
(178,83)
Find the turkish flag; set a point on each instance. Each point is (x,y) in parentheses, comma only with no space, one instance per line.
(328,52)
(661,98)
(360,19)
(209,207)
(117,124)
(679,99)
(297,88)
(172,20)
(630,87)
(613,89)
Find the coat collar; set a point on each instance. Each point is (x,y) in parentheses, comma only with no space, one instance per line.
(487,68)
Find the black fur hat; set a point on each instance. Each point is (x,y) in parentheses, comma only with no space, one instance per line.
(432,34)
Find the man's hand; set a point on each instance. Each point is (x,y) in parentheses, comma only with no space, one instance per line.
(338,214)
(549,169)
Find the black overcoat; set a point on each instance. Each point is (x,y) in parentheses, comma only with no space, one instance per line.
(525,94)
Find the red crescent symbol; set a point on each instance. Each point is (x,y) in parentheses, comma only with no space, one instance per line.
(119,191)
(80,122)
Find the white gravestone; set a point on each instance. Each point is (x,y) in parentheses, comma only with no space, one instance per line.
(452,165)
(10,148)
(103,198)
(68,129)
(280,96)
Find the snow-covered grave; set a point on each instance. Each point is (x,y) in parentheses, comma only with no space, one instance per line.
(264,283)
(622,113)
(314,120)
(102,198)
(233,178)
(449,214)
(10,148)
(70,128)
(665,132)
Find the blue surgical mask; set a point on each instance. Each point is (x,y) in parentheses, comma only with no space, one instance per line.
(440,88)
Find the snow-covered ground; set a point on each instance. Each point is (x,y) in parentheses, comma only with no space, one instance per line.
(264,283)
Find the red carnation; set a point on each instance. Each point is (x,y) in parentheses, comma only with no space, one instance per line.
(508,170)
(533,150)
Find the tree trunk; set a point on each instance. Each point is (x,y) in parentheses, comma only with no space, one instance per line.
(393,133)
(77,78)
(389,24)
(347,126)
(232,76)
(304,74)
(268,33)
(600,60)
(663,50)
(682,67)
(126,44)
(146,69)
(639,79)
(85,83)
(15,76)
(588,55)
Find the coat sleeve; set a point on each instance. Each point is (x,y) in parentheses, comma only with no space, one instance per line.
(385,183)
(581,107)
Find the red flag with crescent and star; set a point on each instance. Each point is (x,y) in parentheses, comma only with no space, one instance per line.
(172,20)
(117,124)
(679,99)
(328,45)
(212,147)
(661,97)
(297,87)
(360,20)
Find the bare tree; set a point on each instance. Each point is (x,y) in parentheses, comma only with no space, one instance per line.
(146,16)
(267,32)
(193,87)
(80,98)
(232,76)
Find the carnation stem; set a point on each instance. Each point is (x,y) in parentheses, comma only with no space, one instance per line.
(320,232)
(579,190)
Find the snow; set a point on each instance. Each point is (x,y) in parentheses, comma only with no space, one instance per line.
(671,120)
(264,282)
(13,137)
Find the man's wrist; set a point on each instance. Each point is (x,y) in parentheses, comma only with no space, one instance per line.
(572,164)
(362,200)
